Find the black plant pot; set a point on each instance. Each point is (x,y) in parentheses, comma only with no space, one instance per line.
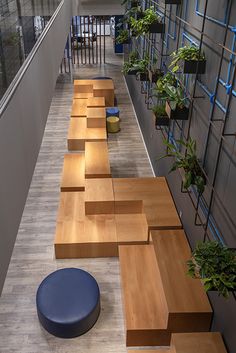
(132,72)
(177,114)
(126,41)
(154,76)
(143,76)
(157,27)
(161,120)
(193,66)
(134,3)
(139,15)
(174,2)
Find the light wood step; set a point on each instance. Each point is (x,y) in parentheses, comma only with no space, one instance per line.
(153,195)
(97,160)
(83,95)
(83,86)
(79,133)
(145,307)
(203,342)
(73,172)
(96,117)
(104,88)
(131,229)
(79,236)
(96,102)
(160,350)
(79,108)
(99,196)
(188,305)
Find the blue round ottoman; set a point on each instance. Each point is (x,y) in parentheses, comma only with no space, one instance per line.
(68,302)
(101,78)
(112,111)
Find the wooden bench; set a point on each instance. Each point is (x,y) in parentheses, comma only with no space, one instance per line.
(73,173)
(78,235)
(104,88)
(99,196)
(97,160)
(79,108)
(79,133)
(150,194)
(96,117)
(166,300)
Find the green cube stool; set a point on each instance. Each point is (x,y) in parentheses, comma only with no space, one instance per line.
(113,124)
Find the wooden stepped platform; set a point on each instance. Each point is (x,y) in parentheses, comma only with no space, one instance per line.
(73,172)
(78,134)
(96,117)
(150,194)
(183,294)
(79,235)
(96,102)
(158,296)
(97,161)
(203,342)
(79,108)
(99,196)
(99,88)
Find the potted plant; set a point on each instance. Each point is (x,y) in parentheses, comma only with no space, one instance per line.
(176,103)
(215,264)
(188,162)
(141,67)
(193,61)
(129,66)
(123,37)
(161,118)
(162,82)
(155,74)
(149,23)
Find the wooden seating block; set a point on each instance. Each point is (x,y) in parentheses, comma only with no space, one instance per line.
(131,229)
(83,86)
(145,307)
(96,117)
(73,172)
(104,88)
(188,305)
(201,342)
(83,95)
(99,196)
(79,133)
(79,108)
(96,102)
(78,235)
(158,204)
(97,160)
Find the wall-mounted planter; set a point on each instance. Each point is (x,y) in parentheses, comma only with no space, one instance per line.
(138,15)
(143,76)
(132,72)
(134,3)
(126,41)
(193,66)
(177,114)
(155,75)
(157,27)
(172,2)
(161,120)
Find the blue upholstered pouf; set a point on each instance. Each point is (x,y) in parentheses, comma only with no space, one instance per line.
(68,302)
(102,78)
(112,111)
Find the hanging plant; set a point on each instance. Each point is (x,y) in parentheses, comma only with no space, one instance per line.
(160,116)
(193,61)
(128,67)
(141,67)
(123,37)
(160,88)
(176,103)
(215,264)
(188,162)
(150,22)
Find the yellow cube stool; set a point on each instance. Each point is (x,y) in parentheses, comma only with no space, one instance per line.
(113,124)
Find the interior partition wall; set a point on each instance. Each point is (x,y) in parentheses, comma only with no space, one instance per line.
(210,25)
(23,115)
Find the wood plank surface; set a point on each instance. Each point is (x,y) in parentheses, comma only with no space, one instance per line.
(184,295)
(97,160)
(79,108)
(96,117)
(99,196)
(73,173)
(96,102)
(131,229)
(145,307)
